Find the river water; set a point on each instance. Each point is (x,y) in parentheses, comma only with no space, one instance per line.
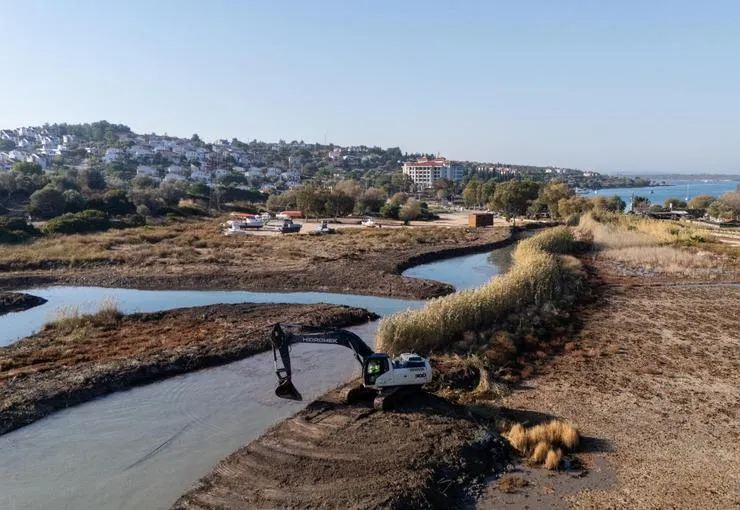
(680,189)
(143,447)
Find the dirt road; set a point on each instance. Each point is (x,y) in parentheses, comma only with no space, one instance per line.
(653,379)
(77,361)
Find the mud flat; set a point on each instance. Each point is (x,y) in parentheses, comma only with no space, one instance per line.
(427,453)
(18,301)
(81,359)
(198,256)
(652,381)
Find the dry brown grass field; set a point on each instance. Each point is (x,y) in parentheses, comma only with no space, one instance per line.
(651,379)
(196,254)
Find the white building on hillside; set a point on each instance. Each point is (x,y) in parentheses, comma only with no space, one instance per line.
(425,171)
(147,171)
(113,154)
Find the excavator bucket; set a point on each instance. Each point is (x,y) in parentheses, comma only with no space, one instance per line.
(285,389)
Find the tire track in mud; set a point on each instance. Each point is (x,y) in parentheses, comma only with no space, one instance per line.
(333,455)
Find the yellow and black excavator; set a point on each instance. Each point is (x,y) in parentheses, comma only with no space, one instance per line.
(385,379)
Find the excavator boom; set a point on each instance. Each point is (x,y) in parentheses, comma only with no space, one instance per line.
(282,340)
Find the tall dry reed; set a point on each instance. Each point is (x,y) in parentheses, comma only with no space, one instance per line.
(535,278)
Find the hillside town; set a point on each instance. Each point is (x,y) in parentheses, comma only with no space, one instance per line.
(266,167)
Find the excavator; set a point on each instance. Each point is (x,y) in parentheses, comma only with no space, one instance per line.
(385,380)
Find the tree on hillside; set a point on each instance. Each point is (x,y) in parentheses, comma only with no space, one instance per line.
(115,203)
(574,205)
(91,179)
(26,168)
(551,194)
(370,202)
(339,204)
(732,201)
(410,210)
(674,203)
(513,198)
(719,210)
(311,200)
(398,199)
(349,187)
(46,203)
(7,145)
(470,193)
(73,201)
(608,204)
(701,202)
(640,204)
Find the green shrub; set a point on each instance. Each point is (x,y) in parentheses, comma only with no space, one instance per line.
(85,221)
(16,230)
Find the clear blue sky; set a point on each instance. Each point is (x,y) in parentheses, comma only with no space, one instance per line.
(620,85)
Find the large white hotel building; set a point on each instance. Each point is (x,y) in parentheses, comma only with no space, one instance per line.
(425,171)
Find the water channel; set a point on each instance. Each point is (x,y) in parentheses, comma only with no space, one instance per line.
(143,447)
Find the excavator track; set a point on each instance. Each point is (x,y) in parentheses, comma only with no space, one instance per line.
(360,393)
(389,398)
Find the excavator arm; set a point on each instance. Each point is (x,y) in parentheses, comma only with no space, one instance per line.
(282,340)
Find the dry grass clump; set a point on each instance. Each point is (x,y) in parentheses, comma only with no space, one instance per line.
(544,443)
(553,459)
(535,278)
(68,320)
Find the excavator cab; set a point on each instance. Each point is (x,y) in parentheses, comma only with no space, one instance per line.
(375,366)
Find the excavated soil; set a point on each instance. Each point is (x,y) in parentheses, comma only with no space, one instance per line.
(17,302)
(427,453)
(66,365)
(653,381)
(198,256)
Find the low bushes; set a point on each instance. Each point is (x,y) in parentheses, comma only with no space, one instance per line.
(16,230)
(536,278)
(85,221)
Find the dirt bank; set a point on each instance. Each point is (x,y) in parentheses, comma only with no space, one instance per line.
(80,359)
(426,454)
(652,381)
(198,256)
(17,301)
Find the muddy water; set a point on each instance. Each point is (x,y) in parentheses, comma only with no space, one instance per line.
(143,447)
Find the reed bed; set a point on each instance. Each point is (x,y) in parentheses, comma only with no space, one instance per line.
(652,245)
(68,319)
(536,277)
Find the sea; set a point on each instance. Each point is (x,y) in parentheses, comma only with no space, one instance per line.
(681,189)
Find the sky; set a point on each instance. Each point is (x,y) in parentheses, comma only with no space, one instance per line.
(634,86)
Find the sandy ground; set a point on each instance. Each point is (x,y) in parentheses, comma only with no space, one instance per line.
(653,381)
(59,367)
